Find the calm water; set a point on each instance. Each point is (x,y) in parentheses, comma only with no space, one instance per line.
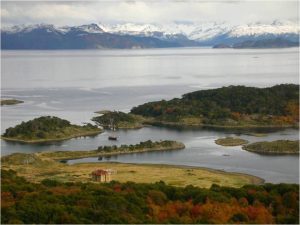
(74,84)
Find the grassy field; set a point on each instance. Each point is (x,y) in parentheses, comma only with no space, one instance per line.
(230,141)
(35,168)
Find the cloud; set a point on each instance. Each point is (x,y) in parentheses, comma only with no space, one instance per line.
(75,13)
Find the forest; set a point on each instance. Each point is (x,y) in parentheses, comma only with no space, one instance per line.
(47,127)
(231,106)
(65,203)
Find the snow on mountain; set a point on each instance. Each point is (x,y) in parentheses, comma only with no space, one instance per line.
(89,28)
(255,29)
(28,28)
(202,31)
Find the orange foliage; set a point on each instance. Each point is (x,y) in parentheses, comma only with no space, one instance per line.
(236,115)
(212,212)
(7,199)
(64,190)
(293,109)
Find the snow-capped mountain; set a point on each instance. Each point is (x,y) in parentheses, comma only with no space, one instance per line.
(45,36)
(89,28)
(203,32)
(137,35)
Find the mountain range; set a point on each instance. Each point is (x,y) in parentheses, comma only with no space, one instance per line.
(137,35)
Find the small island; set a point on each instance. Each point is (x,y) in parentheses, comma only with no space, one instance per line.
(121,120)
(230,141)
(145,146)
(274,147)
(10,102)
(47,129)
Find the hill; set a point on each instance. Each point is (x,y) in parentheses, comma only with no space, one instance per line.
(232,106)
(47,128)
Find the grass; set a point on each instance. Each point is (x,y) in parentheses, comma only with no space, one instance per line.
(10,102)
(230,141)
(41,168)
(274,147)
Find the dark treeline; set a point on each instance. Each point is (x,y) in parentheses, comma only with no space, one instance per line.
(142,145)
(67,203)
(280,103)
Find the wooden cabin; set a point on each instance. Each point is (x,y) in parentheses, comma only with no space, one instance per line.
(101,175)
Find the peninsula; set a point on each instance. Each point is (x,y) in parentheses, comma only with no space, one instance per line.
(47,129)
(35,167)
(227,107)
(145,146)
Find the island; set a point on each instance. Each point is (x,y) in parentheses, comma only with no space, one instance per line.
(119,119)
(227,107)
(230,141)
(144,146)
(10,102)
(274,147)
(47,129)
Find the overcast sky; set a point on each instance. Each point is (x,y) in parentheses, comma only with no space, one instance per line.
(78,12)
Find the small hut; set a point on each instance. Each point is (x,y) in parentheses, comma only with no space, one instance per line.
(101,175)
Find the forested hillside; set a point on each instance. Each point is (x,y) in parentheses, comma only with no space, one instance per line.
(54,202)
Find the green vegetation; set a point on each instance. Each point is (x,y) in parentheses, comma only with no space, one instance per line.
(274,147)
(145,146)
(10,102)
(90,203)
(230,141)
(233,106)
(121,120)
(47,128)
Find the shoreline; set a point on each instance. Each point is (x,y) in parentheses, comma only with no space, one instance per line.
(90,133)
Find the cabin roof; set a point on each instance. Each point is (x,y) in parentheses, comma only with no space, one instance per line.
(99,172)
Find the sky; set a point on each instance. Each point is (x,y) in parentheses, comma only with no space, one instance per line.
(62,13)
